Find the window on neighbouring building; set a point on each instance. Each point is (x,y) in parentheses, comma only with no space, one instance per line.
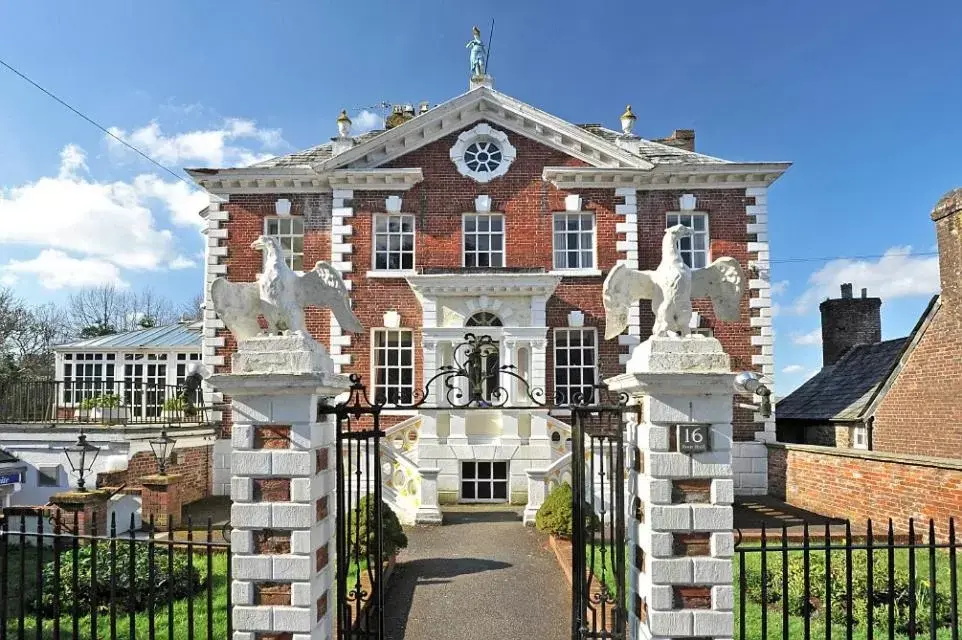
(394,242)
(575,363)
(859,437)
(290,234)
(48,476)
(708,332)
(145,383)
(574,241)
(484,481)
(394,365)
(694,250)
(183,370)
(483,240)
(86,375)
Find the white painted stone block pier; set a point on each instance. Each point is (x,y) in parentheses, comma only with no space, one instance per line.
(680,522)
(282,489)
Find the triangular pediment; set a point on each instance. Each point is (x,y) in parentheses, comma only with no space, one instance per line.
(484,104)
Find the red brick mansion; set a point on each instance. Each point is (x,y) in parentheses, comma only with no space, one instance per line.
(489,215)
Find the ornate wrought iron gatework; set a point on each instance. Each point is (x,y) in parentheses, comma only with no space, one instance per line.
(360,549)
(598,598)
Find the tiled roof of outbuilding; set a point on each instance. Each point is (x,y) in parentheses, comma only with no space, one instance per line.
(841,391)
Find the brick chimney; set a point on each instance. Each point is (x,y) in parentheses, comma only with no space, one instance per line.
(847,322)
(680,138)
(947,216)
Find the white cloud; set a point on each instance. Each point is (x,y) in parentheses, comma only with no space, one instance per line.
(793,368)
(56,270)
(182,262)
(365,121)
(108,221)
(227,145)
(813,337)
(182,201)
(780,287)
(897,274)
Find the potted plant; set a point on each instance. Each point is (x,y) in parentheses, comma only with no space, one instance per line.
(107,408)
(178,408)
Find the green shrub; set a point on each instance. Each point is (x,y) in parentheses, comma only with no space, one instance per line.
(555,515)
(103,401)
(359,522)
(184,581)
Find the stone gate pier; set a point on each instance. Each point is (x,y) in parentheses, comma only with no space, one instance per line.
(680,541)
(282,488)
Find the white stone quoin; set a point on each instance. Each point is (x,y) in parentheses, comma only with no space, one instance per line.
(282,487)
(680,520)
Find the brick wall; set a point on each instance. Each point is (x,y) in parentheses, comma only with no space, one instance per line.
(193,464)
(858,485)
(921,414)
(527,203)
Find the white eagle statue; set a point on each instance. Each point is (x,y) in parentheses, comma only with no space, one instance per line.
(671,287)
(280,295)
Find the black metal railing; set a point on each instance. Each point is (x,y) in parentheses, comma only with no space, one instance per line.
(151,584)
(833,583)
(100,402)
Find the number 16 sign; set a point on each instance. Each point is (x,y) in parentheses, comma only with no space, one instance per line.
(693,438)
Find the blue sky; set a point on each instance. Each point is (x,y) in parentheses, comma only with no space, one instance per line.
(862,96)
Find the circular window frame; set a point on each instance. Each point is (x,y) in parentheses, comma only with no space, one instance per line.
(479,134)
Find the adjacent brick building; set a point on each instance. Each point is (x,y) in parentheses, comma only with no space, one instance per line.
(488,215)
(892,409)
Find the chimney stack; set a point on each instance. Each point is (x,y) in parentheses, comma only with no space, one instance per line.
(849,321)
(947,216)
(681,139)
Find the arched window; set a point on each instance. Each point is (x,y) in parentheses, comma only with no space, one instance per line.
(483,319)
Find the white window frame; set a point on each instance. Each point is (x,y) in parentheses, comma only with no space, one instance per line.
(77,388)
(858,430)
(490,481)
(289,254)
(414,242)
(375,367)
(567,387)
(678,216)
(489,233)
(48,470)
(591,269)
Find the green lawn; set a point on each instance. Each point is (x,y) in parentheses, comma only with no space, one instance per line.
(796,623)
(141,621)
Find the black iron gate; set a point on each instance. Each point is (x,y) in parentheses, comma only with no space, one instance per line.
(476,380)
(360,560)
(598,598)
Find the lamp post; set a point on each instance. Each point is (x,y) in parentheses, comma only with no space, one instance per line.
(161,448)
(81,457)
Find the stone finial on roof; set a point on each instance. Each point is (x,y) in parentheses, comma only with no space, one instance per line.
(344,124)
(628,119)
(948,204)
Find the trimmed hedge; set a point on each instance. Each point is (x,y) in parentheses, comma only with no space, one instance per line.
(393,538)
(555,515)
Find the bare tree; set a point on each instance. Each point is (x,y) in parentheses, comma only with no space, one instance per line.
(96,311)
(27,336)
(145,309)
(191,309)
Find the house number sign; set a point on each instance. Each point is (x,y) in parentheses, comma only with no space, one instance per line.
(692,438)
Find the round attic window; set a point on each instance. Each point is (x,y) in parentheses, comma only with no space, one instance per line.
(482,153)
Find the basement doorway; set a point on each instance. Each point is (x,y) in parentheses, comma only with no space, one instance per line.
(484,481)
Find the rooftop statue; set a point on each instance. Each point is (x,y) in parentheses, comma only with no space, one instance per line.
(478,54)
(671,287)
(280,296)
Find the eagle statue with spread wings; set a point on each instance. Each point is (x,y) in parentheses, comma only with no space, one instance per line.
(280,296)
(671,287)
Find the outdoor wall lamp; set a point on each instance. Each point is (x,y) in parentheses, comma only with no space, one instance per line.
(749,383)
(161,448)
(81,457)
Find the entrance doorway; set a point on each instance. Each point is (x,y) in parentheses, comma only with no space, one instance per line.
(483,481)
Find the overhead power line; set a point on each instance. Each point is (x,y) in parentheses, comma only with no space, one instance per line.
(863,257)
(94,123)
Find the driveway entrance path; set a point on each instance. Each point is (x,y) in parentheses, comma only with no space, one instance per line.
(480,576)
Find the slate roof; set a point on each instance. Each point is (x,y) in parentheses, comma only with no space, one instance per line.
(173,336)
(840,392)
(654,152)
